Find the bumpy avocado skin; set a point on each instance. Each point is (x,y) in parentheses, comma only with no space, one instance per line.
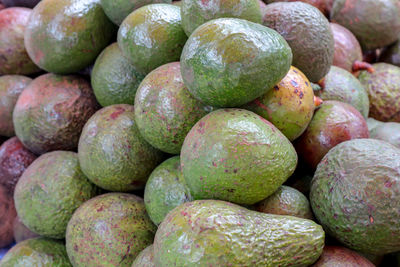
(11,87)
(237,156)
(165,111)
(145,258)
(229,62)
(383,87)
(109,230)
(335,256)
(114,79)
(308,33)
(165,190)
(375,23)
(354,195)
(341,85)
(217,233)
(195,13)
(66,36)
(152,36)
(389,132)
(289,105)
(113,154)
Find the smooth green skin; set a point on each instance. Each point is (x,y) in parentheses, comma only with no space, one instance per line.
(286,201)
(145,258)
(216,233)
(372,124)
(118,10)
(391,54)
(229,62)
(152,36)
(341,85)
(114,79)
(40,251)
(165,190)
(11,86)
(49,192)
(109,230)
(354,195)
(237,156)
(308,33)
(195,13)
(383,91)
(389,132)
(65,36)
(165,111)
(113,154)
(375,23)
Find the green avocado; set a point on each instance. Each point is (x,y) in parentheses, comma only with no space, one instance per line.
(145,258)
(354,195)
(39,251)
(114,79)
(216,233)
(335,256)
(388,131)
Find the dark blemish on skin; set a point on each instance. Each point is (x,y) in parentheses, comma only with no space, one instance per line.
(115,114)
(276,88)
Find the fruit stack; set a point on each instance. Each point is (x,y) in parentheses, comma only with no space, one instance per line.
(200,133)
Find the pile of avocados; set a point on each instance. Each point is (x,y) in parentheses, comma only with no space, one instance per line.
(223,133)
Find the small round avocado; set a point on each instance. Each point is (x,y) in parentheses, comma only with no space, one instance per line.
(389,132)
(24,3)
(7,215)
(165,111)
(152,36)
(109,230)
(335,256)
(113,154)
(145,258)
(66,36)
(21,232)
(11,86)
(43,252)
(289,105)
(114,79)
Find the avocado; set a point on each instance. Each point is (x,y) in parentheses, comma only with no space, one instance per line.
(354,195)
(372,124)
(165,111)
(323,5)
(217,233)
(21,232)
(24,3)
(383,87)
(51,112)
(145,258)
(109,230)
(336,256)
(334,122)
(375,23)
(229,62)
(237,156)
(7,215)
(308,33)
(113,154)
(195,13)
(11,87)
(43,252)
(13,56)
(114,79)
(152,36)
(391,54)
(66,36)
(341,85)
(389,132)
(286,201)
(165,190)
(289,105)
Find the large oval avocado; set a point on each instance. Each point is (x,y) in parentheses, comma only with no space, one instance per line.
(7,216)
(21,232)
(66,36)
(389,132)
(145,258)
(335,256)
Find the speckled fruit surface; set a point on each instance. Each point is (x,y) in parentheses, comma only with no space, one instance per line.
(145,258)
(7,215)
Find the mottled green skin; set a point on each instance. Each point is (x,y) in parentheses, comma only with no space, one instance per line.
(372,124)
(237,156)
(341,85)
(391,54)
(109,230)
(308,33)
(114,79)
(229,62)
(51,112)
(375,23)
(40,251)
(195,13)
(216,233)
(113,154)
(21,232)
(383,87)
(165,111)
(13,56)
(118,10)
(65,36)
(389,132)
(152,36)
(355,195)
(145,258)
(49,192)
(165,190)
(11,87)
(335,256)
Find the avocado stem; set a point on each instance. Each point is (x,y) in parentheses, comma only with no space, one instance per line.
(317,101)
(362,65)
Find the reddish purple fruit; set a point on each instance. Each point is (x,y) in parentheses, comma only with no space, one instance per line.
(335,256)
(7,215)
